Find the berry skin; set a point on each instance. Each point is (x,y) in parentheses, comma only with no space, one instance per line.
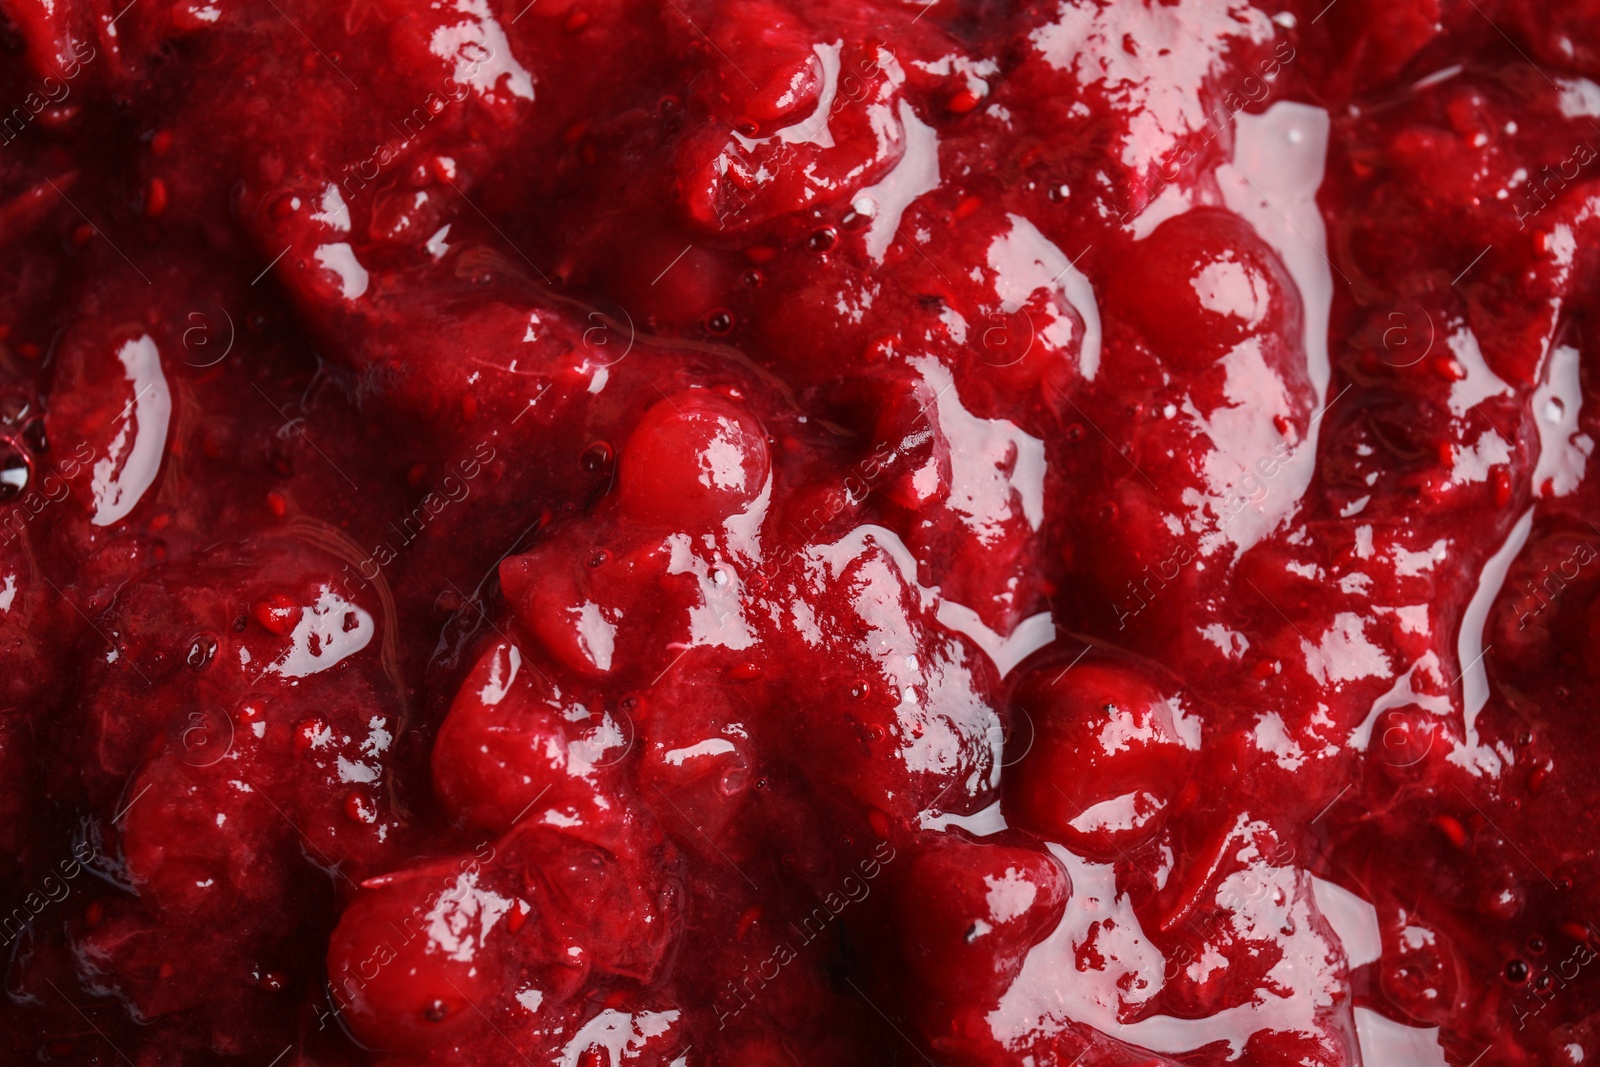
(276,613)
(506,745)
(693,461)
(969,911)
(1108,751)
(413,954)
(1201,283)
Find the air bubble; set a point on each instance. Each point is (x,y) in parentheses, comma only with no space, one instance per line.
(16,470)
(202,650)
(734,781)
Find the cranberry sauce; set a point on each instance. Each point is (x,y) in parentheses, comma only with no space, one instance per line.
(823,533)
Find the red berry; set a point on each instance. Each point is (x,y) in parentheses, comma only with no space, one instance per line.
(412,960)
(276,613)
(1108,749)
(694,460)
(505,745)
(1202,282)
(969,911)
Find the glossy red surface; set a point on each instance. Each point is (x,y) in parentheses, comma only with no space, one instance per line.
(812,533)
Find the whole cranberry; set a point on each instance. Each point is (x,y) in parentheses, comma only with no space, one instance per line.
(1202,282)
(693,460)
(416,951)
